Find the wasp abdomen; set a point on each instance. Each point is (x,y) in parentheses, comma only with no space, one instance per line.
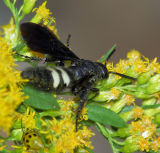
(49,79)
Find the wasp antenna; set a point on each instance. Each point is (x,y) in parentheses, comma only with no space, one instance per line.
(68,40)
(122,75)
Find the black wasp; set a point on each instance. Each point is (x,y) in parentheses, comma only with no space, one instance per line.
(80,76)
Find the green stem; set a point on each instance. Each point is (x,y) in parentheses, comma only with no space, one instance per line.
(19,12)
(105,132)
(118,142)
(14,2)
(16,16)
(108,54)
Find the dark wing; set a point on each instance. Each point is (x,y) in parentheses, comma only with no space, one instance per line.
(41,39)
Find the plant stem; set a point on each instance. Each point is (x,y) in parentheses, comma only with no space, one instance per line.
(106,134)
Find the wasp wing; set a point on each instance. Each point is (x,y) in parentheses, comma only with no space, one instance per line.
(39,38)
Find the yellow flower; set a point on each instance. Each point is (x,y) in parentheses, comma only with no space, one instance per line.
(62,133)
(2,147)
(122,66)
(138,112)
(144,144)
(115,93)
(154,66)
(42,13)
(129,99)
(109,66)
(135,60)
(133,54)
(9,32)
(10,87)
(137,127)
(83,114)
(145,130)
(155,144)
(28,119)
(56,126)
(139,66)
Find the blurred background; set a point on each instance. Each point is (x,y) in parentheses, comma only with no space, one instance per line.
(95,25)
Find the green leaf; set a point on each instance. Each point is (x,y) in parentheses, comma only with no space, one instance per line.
(158,130)
(16,135)
(150,106)
(107,54)
(103,115)
(89,150)
(40,99)
(6,151)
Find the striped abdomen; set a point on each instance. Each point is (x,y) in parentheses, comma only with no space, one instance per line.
(48,79)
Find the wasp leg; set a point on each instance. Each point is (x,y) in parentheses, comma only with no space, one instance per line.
(31,58)
(38,59)
(68,40)
(81,105)
(82,92)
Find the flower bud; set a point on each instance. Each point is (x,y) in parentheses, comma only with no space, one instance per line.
(133,54)
(36,19)
(108,83)
(130,146)
(144,77)
(123,132)
(150,101)
(127,116)
(16,135)
(141,94)
(157,119)
(151,112)
(155,79)
(103,96)
(153,88)
(28,6)
(117,107)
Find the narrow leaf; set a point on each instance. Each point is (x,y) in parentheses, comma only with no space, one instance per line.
(107,54)
(151,106)
(103,115)
(40,99)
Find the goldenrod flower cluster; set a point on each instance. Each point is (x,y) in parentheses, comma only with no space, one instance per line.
(10,88)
